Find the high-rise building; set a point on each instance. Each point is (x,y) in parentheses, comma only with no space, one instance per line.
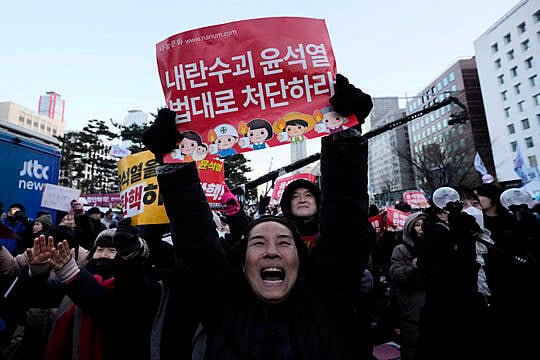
(52,105)
(388,168)
(507,56)
(19,115)
(443,153)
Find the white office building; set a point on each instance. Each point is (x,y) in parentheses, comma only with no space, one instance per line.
(507,57)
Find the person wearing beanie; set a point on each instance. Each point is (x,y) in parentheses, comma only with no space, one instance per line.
(21,227)
(283,302)
(41,225)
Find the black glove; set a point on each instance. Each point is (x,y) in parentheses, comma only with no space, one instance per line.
(463,223)
(263,204)
(126,239)
(20,216)
(350,100)
(162,136)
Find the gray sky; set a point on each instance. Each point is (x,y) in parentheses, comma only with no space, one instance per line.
(100,55)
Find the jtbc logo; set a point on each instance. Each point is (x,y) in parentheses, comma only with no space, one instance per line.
(33,168)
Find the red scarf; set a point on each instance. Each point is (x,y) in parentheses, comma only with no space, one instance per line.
(91,340)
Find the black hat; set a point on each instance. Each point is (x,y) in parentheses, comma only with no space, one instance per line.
(94,210)
(17,205)
(285,202)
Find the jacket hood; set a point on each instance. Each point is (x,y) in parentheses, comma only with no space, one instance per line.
(408,227)
(285,202)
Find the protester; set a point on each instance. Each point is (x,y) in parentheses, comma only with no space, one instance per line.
(408,285)
(95,219)
(17,221)
(288,304)
(108,220)
(452,321)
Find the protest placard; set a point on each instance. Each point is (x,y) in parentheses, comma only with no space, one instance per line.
(282,183)
(395,219)
(377,223)
(58,197)
(139,190)
(416,199)
(248,85)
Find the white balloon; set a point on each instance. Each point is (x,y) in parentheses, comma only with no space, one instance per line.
(515,196)
(444,195)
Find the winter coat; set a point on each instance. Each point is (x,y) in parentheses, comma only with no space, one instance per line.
(409,288)
(316,320)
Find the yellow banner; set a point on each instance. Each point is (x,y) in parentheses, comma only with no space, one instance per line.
(139,191)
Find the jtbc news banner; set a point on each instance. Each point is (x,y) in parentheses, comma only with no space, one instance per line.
(249,85)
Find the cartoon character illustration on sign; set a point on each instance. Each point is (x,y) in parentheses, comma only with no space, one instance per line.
(223,137)
(191,148)
(329,120)
(255,132)
(293,126)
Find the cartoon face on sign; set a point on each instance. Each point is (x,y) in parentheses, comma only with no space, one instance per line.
(256,133)
(190,148)
(293,126)
(329,120)
(223,137)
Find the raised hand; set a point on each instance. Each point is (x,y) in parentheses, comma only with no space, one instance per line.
(60,255)
(42,250)
(162,137)
(351,100)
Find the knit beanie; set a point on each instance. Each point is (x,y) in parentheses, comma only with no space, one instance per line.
(46,221)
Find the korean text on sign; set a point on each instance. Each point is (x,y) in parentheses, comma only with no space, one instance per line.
(245,91)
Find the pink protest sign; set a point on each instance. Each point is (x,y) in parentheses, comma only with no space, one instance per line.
(377,223)
(395,219)
(282,183)
(416,199)
(249,85)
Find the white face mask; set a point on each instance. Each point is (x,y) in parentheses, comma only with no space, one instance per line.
(477,214)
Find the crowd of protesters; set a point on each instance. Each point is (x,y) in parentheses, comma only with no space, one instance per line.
(314,282)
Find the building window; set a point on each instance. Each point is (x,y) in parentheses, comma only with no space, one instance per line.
(460,129)
(510,55)
(513,145)
(525,124)
(453,88)
(445,123)
(536,99)
(497,63)
(462,143)
(529,63)
(29,121)
(501,79)
(533,80)
(21,119)
(439,86)
(513,71)
(36,124)
(532,161)
(511,129)
(525,45)
(517,88)
(521,28)
(54,131)
(48,129)
(445,81)
(503,95)
(451,76)
(494,48)
(520,106)
(536,16)
(529,142)
(507,38)
(507,112)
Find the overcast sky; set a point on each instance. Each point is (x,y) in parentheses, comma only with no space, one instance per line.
(100,55)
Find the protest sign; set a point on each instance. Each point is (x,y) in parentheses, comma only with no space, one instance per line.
(103,200)
(377,223)
(395,219)
(416,199)
(282,183)
(248,85)
(139,190)
(58,197)
(119,151)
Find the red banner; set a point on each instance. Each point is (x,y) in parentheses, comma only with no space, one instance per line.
(248,85)
(377,223)
(395,219)
(212,174)
(103,200)
(416,199)
(282,183)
